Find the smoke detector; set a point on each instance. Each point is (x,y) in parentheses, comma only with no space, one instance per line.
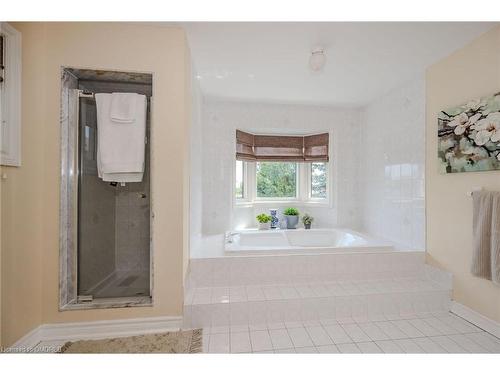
(317,59)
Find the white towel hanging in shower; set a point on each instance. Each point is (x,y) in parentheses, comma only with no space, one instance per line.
(123,108)
(120,145)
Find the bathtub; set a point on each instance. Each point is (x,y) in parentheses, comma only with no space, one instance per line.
(298,241)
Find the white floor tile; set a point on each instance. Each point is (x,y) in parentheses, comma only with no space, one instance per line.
(272,292)
(327,349)
(391,330)
(304,291)
(238,328)
(348,348)
(219,329)
(260,341)
(205,341)
(389,346)
(409,346)
(219,343)
(468,344)
(293,324)
(240,342)
(429,346)
(448,344)
(306,350)
(254,293)
(299,337)
(237,294)
(202,296)
(276,325)
(289,292)
(337,334)
(319,336)
(220,295)
(368,347)
(425,328)
(280,339)
(442,327)
(487,341)
(285,351)
(461,325)
(373,331)
(409,329)
(328,322)
(355,333)
(257,327)
(311,323)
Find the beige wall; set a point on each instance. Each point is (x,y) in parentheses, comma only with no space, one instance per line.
(471,72)
(30,196)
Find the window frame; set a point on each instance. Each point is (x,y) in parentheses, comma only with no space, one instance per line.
(10,98)
(303,196)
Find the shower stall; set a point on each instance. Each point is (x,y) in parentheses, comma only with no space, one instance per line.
(105,226)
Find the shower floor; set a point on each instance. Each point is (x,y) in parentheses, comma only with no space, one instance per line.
(128,283)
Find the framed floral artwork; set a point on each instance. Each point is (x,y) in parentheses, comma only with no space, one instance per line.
(469,136)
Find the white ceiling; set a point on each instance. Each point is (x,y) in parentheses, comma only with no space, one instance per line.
(269,61)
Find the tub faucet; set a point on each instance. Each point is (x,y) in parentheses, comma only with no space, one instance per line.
(229,236)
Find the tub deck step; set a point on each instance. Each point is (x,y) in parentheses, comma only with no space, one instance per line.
(267,304)
(275,289)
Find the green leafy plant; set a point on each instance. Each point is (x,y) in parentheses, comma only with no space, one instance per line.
(291,211)
(307,219)
(263,218)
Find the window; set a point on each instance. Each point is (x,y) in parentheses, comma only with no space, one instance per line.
(10,95)
(276,180)
(318,180)
(281,181)
(240,183)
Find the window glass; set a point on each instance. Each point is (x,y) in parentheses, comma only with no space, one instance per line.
(318,180)
(240,186)
(276,180)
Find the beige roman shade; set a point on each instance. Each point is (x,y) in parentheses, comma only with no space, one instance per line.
(316,147)
(281,147)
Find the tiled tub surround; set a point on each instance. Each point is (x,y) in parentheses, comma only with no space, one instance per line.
(279,291)
(327,303)
(392,165)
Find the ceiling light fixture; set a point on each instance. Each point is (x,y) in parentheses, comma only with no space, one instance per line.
(317,59)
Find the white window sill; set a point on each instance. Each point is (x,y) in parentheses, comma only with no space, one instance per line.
(282,203)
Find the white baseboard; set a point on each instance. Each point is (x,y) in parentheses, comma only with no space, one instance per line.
(475,318)
(27,342)
(97,330)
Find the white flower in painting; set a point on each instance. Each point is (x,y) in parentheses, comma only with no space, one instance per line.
(488,128)
(462,122)
(498,156)
(474,104)
(482,137)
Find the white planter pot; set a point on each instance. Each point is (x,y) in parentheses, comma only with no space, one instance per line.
(264,226)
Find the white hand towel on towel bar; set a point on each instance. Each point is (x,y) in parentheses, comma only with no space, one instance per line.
(486,235)
(123,108)
(120,146)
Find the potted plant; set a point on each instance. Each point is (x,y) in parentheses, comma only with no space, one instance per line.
(292,217)
(264,221)
(307,221)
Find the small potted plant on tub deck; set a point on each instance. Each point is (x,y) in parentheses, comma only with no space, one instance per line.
(292,217)
(307,221)
(264,221)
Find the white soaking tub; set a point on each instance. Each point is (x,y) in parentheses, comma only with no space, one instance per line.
(297,241)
